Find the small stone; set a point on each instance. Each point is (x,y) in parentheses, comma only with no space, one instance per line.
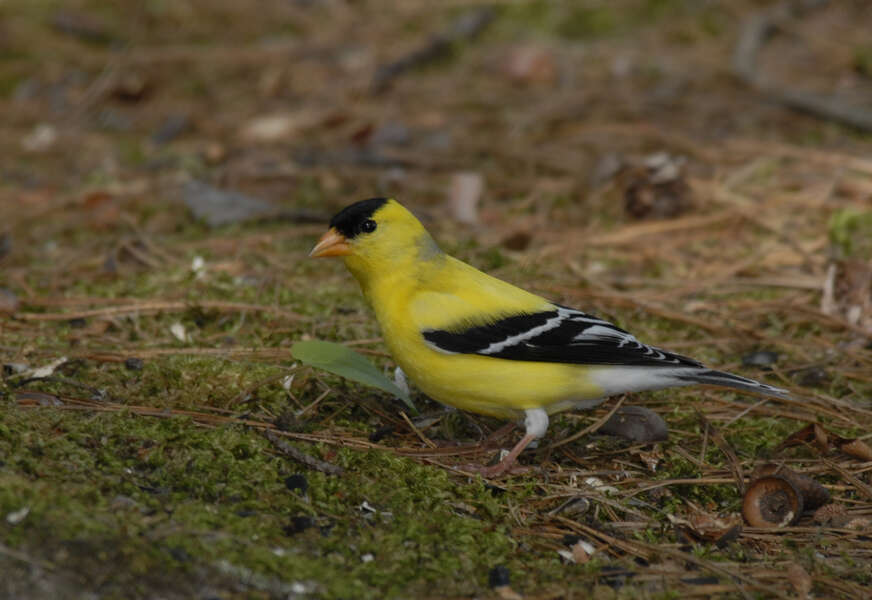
(120,502)
(494,490)
(606,167)
(762,358)
(215,152)
(812,377)
(219,207)
(531,64)
(271,128)
(298,524)
(5,243)
(133,364)
(637,424)
(391,133)
(517,241)
(615,576)
(40,139)
(179,332)
(8,301)
(16,517)
(498,577)
(381,433)
(85,26)
(464,196)
(172,127)
(705,580)
(180,554)
(297,482)
(131,86)
(14,368)
(573,507)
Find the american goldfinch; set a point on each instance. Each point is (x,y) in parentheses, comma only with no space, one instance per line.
(472,341)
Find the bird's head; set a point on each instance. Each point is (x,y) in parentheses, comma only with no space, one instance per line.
(376,236)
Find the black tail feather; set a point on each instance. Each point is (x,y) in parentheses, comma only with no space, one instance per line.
(722,378)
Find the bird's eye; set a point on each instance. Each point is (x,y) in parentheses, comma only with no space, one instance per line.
(368,226)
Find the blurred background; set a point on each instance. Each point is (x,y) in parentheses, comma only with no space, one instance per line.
(700,171)
(314,102)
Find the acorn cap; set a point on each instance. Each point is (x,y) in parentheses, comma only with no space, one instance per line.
(772,502)
(813,493)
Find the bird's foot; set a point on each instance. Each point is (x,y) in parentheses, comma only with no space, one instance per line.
(507,464)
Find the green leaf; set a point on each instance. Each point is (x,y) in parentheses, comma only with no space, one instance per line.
(342,360)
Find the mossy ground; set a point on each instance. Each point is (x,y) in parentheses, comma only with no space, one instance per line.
(153,478)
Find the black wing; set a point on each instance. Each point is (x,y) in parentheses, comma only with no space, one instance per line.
(561,335)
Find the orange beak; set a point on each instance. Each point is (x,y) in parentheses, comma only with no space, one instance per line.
(332,243)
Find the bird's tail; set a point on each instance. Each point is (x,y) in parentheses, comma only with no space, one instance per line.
(724,379)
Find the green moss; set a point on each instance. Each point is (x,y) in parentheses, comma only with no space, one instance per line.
(851,233)
(582,22)
(147,491)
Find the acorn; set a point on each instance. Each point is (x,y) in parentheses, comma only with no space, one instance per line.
(813,493)
(772,501)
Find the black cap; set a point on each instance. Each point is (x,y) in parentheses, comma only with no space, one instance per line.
(348,220)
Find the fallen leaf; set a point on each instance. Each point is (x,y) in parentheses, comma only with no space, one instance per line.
(650,459)
(656,188)
(824,441)
(581,552)
(856,448)
(699,526)
(762,358)
(345,362)
(799,579)
(810,434)
(530,64)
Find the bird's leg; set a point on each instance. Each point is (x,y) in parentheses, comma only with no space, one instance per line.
(536,424)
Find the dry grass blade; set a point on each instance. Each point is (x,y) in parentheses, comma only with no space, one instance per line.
(156,307)
(302,457)
(592,428)
(726,449)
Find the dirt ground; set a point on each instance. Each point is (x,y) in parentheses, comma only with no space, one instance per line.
(698,172)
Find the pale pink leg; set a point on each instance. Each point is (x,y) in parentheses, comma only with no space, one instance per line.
(536,422)
(505,464)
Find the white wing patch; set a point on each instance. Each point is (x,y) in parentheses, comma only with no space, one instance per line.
(552,323)
(561,334)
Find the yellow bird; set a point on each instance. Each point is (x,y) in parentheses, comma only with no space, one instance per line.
(472,341)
